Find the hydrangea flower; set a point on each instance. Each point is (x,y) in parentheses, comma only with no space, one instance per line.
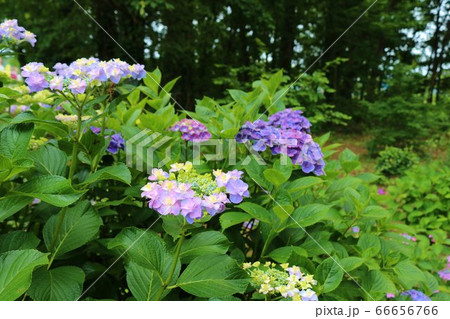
(390,295)
(416,295)
(79,75)
(116,140)
(70,119)
(14,109)
(286,132)
(355,229)
(445,273)
(191,130)
(182,191)
(289,282)
(381,191)
(12,33)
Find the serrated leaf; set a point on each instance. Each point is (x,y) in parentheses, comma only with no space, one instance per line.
(303,183)
(256,211)
(329,274)
(15,139)
(205,243)
(16,268)
(118,172)
(11,205)
(308,215)
(50,160)
(52,189)
(57,284)
(78,226)
(144,283)
(212,276)
(18,240)
(374,211)
(283,254)
(408,274)
(369,245)
(233,218)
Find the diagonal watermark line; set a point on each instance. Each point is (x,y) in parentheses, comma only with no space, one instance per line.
(126,52)
(320,56)
(315,241)
(118,258)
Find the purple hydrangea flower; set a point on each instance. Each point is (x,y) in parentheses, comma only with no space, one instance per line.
(355,229)
(381,191)
(117,142)
(36,82)
(286,132)
(13,33)
(83,73)
(416,295)
(191,130)
(168,195)
(77,86)
(390,295)
(444,274)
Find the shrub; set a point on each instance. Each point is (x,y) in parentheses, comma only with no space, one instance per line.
(394,161)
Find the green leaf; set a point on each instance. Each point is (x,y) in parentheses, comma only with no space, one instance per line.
(15,139)
(342,183)
(274,176)
(308,215)
(79,224)
(378,283)
(369,245)
(50,160)
(233,218)
(118,172)
(212,276)
(18,240)
(257,212)
(11,205)
(303,183)
(58,284)
(374,211)
(16,268)
(146,249)
(282,254)
(205,243)
(408,274)
(351,263)
(349,160)
(329,274)
(144,283)
(52,189)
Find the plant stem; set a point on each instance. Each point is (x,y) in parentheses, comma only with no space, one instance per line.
(73,166)
(172,270)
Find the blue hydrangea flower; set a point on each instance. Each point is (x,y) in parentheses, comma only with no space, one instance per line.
(286,132)
(416,295)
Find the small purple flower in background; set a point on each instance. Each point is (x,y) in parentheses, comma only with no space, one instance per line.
(445,274)
(14,109)
(117,142)
(381,191)
(409,237)
(355,229)
(416,295)
(286,132)
(390,295)
(12,32)
(36,201)
(191,130)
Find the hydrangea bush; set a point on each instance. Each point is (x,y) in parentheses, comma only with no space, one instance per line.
(272,218)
